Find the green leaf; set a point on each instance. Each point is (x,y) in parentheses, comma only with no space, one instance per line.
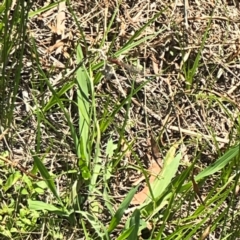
(96,171)
(24,192)
(110,148)
(2,7)
(192,70)
(39,190)
(54,100)
(215,167)
(124,205)
(219,164)
(135,222)
(169,170)
(95,223)
(12,179)
(40,206)
(84,119)
(26,221)
(126,234)
(107,201)
(28,182)
(47,177)
(42,184)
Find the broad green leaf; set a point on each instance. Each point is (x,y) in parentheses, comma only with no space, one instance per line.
(170,167)
(119,213)
(12,179)
(42,184)
(39,190)
(6,233)
(40,206)
(28,181)
(83,93)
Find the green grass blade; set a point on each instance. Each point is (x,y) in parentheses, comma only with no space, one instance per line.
(139,32)
(131,45)
(2,7)
(46,176)
(192,71)
(83,93)
(43,9)
(41,206)
(217,166)
(96,224)
(126,234)
(220,163)
(170,167)
(55,98)
(109,27)
(97,166)
(119,213)
(134,222)
(108,120)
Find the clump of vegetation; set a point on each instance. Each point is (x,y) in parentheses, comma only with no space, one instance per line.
(119,120)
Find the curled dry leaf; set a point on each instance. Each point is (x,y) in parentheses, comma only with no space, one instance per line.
(206,233)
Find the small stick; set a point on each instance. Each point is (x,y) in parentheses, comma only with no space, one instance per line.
(19,167)
(186,6)
(4,133)
(128,67)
